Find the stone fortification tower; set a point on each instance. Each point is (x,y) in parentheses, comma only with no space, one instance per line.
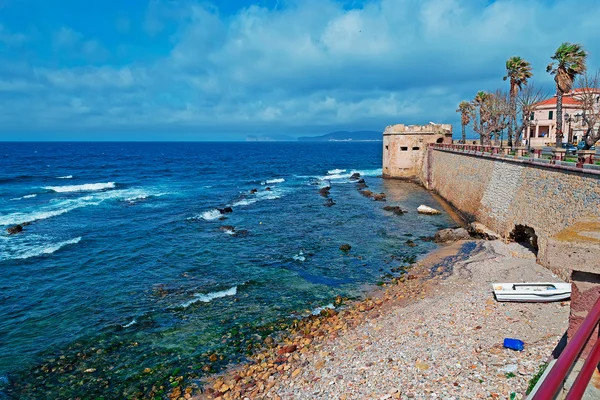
(405,147)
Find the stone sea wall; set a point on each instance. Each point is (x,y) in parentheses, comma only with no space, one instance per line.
(501,194)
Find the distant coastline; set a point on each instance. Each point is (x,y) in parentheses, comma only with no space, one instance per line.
(338,136)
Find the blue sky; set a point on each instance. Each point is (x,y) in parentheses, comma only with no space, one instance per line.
(202,70)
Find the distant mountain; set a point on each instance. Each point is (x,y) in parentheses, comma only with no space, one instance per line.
(269,138)
(357,136)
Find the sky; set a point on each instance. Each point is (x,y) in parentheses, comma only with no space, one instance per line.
(220,70)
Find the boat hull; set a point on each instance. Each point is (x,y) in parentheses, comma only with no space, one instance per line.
(532,292)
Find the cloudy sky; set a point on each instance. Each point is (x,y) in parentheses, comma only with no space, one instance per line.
(218,70)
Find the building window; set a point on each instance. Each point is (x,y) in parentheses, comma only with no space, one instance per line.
(403,148)
(415,148)
(550,114)
(440,140)
(387,147)
(531,116)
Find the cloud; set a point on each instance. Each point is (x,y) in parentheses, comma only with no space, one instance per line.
(302,66)
(10,38)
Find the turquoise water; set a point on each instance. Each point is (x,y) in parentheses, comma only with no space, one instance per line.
(126,267)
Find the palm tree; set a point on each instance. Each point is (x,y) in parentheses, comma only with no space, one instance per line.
(518,71)
(569,61)
(464,108)
(479,120)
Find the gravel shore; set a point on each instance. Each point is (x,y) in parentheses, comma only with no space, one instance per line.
(425,337)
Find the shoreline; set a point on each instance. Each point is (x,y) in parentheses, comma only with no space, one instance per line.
(319,357)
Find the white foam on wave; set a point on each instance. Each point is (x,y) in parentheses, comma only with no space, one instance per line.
(88,187)
(318,310)
(346,176)
(273,181)
(29,249)
(299,256)
(335,171)
(209,215)
(29,196)
(273,194)
(208,297)
(58,207)
(65,177)
(143,195)
(133,322)
(229,231)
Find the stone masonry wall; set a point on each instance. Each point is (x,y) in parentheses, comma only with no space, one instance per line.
(502,194)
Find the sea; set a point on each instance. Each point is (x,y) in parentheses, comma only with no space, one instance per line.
(130,277)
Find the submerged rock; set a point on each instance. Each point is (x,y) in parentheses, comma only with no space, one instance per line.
(423,209)
(361,185)
(14,229)
(345,247)
(225,210)
(451,235)
(268,189)
(410,243)
(253,191)
(366,193)
(355,176)
(480,231)
(395,209)
(241,233)
(226,228)
(324,191)
(329,203)
(379,197)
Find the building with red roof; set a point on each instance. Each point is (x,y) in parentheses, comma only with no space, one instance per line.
(542,122)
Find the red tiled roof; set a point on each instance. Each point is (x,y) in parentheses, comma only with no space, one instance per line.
(567,100)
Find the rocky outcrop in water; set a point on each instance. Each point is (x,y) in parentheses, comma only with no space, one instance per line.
(355,176)
(324,191)
(225,210)
(394,209)
(345,247)
(423,209)
(366,193)
(253,191)
(268,189)
(13,230)
(451,235)
(379,197)
(329,203)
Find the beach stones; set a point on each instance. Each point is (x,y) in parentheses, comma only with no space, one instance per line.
(451,235)
(423,209)
(480,231)
(14,229)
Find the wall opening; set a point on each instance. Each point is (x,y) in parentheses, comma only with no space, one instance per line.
(387,147)
(403,148)
(526,236)
(440,140)
(415,148)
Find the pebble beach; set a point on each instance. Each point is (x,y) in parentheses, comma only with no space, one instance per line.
(435,333)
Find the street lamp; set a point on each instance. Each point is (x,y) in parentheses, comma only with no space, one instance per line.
(569,119)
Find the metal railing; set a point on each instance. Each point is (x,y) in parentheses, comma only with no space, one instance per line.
(555,379)
(586,159)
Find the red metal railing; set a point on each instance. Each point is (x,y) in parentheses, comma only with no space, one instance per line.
(555,379)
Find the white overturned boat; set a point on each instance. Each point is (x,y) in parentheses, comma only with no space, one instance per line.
(532,292)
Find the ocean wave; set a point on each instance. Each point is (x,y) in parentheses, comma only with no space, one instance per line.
(299,256)
(58,207)
(133,322)
(229,231)
(318,310)
(347,175)
(65,177)
(88,187)
(272,181)
(210,215)
(336,171)
(29,196)
(208,297)
(22,251)
(273,194)
(143,195)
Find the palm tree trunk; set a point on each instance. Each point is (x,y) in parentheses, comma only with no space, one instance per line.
(512,122)
(464,134)
(559,119)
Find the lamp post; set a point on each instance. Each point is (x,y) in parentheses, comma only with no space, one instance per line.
(569,119)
